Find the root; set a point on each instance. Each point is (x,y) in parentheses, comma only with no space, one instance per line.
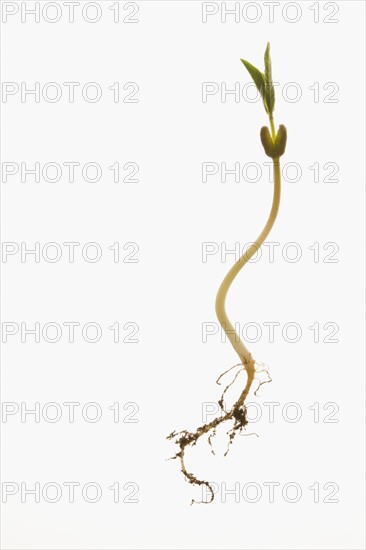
(262,368)
(237,414)
(221,400)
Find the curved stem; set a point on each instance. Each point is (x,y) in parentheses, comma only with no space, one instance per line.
(238,345)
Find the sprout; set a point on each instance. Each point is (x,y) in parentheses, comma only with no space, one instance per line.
(274,144)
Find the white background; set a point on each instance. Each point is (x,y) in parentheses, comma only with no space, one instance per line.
(170,373)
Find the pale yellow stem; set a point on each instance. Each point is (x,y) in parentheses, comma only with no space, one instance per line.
(273,130)
(238,345)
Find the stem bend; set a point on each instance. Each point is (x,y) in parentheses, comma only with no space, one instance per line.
(240,348)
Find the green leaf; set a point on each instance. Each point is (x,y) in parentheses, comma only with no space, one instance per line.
(267,64)
(268,83)
(258,78)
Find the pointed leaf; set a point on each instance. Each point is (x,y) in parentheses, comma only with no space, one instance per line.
(258,78)
(268,83)
(267,64)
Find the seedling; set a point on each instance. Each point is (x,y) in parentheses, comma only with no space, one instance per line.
(274,144)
